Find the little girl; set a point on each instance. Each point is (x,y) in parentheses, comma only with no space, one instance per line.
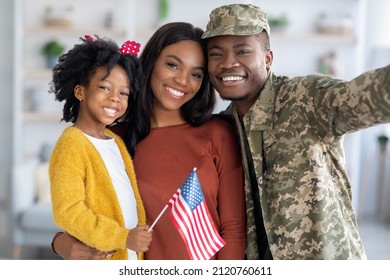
(93,186)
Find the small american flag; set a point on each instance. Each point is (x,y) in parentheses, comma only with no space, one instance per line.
(191,217)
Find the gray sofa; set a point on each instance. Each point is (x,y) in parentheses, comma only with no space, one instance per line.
(32,213)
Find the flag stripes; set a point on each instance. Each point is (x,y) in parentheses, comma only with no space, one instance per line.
(191,217)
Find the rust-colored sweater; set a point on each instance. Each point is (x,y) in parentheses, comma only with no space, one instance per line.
(84,200)
(165,158)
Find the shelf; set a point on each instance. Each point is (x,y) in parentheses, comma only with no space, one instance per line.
(56,30)
(313,38)
(44,74)
(42,117)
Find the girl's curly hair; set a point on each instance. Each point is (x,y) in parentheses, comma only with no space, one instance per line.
(77,66)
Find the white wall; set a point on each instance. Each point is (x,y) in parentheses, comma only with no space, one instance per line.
(373,201)
(6,67)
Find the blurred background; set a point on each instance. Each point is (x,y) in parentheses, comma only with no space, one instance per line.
(342,38)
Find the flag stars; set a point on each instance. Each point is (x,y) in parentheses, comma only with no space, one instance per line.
(192,192)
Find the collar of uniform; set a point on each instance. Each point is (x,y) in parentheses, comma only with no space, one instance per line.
(260,114)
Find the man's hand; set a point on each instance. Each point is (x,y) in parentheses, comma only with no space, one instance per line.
(69,248)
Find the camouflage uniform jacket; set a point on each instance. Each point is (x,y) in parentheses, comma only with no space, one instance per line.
(305,193)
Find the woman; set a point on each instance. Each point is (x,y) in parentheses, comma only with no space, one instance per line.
(171,131)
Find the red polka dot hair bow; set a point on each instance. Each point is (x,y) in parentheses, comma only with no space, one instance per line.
(89,38)
(130,47)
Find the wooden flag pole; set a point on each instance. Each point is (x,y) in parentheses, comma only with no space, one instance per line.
(162,212)
(158,218)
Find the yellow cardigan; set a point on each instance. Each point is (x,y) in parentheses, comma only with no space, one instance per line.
(83,197)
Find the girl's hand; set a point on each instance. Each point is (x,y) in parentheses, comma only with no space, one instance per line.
(139,239)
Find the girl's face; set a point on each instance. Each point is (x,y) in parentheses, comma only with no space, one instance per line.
(177,75)
(103,101)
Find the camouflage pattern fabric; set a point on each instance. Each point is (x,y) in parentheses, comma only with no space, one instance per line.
(305,192)
(236,19)
(252,250)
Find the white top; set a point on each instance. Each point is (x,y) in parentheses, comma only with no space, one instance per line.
(112,158)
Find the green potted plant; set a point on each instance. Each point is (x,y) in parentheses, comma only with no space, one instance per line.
(383,139)
(52,50)
(278,24)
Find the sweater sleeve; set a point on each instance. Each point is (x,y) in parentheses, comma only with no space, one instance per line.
(87,217)
(231,200)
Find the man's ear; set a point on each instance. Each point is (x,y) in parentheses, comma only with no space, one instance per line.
(79,92)
(269,57)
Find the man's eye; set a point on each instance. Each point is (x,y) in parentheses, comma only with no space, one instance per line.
(243,52)
(215,54)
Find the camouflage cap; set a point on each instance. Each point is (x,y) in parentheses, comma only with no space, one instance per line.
(236,19)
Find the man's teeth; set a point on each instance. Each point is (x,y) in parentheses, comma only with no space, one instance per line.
(232,78)
(175,92)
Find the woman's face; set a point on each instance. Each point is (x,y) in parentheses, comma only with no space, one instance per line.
(177,75)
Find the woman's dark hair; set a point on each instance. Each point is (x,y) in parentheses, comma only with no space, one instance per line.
(77,66)
(196,111)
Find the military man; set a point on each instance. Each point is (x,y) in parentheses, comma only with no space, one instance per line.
(291,131)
